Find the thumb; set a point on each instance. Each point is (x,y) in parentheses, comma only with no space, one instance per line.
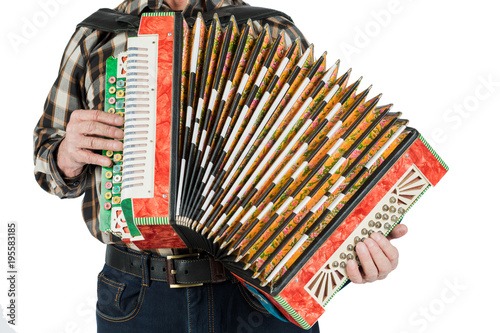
(399,231)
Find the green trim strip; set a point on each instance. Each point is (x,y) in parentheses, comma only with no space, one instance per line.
(292,313)
(151,221)
(105,215)
(433,152)
(159,14)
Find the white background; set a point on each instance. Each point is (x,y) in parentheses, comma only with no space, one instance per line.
(432,59)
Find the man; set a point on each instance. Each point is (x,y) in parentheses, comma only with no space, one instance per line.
(134,294)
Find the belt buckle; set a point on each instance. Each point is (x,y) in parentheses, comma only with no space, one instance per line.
(173,271)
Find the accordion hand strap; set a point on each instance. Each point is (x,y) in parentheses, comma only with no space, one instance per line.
(110,20)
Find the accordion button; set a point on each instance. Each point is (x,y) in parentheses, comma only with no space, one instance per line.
(394,218)
(107,205)
(385,217)
(378,225)
(371,224)
(401,210)
(378,216)
(118,157)
(108,195)
(385,208)
(108,174)
(120,84)
(117,168)
(343,256)
(112,90)
(387,226)
(109,185)
(120,105)
(112,100)
(335,264)
(117,179)
(357,240)
(116,200)
(111,110)
(392,200)
(364,232)
(350,247)
(109,153)
(112,80)
(342,265)
(120,113)
(392,209)
(120,94)
(350,257)
(116,189)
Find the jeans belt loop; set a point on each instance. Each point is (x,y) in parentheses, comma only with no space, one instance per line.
(217,270)
(145,269)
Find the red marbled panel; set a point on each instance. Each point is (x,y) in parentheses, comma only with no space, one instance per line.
(158,206)
(426,162)
(159,236)
(294,293)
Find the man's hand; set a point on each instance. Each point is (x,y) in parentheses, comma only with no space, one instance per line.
(85,132)
(378,257)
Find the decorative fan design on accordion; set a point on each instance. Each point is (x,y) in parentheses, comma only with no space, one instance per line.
(326,282)
(410,188)
(382,218)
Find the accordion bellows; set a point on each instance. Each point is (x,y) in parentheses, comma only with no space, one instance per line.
(246,146)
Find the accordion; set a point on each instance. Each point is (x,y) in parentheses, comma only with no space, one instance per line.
(248,147)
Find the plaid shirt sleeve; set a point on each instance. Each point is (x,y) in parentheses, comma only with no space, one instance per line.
(67,94)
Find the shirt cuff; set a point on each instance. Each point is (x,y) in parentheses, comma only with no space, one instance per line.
(69,186)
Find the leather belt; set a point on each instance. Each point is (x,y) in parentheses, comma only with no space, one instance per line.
(183,270)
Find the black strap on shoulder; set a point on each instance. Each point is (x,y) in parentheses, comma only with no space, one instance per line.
(110,20)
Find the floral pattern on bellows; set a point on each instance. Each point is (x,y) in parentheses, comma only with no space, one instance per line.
(329,218)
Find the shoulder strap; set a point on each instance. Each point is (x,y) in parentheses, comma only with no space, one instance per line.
(110,20)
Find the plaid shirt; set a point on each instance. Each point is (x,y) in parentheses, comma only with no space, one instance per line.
(80,85)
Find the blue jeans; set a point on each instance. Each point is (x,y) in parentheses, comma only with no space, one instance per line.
(127,303)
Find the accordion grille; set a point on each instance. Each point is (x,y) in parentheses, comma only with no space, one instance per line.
(140,118)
